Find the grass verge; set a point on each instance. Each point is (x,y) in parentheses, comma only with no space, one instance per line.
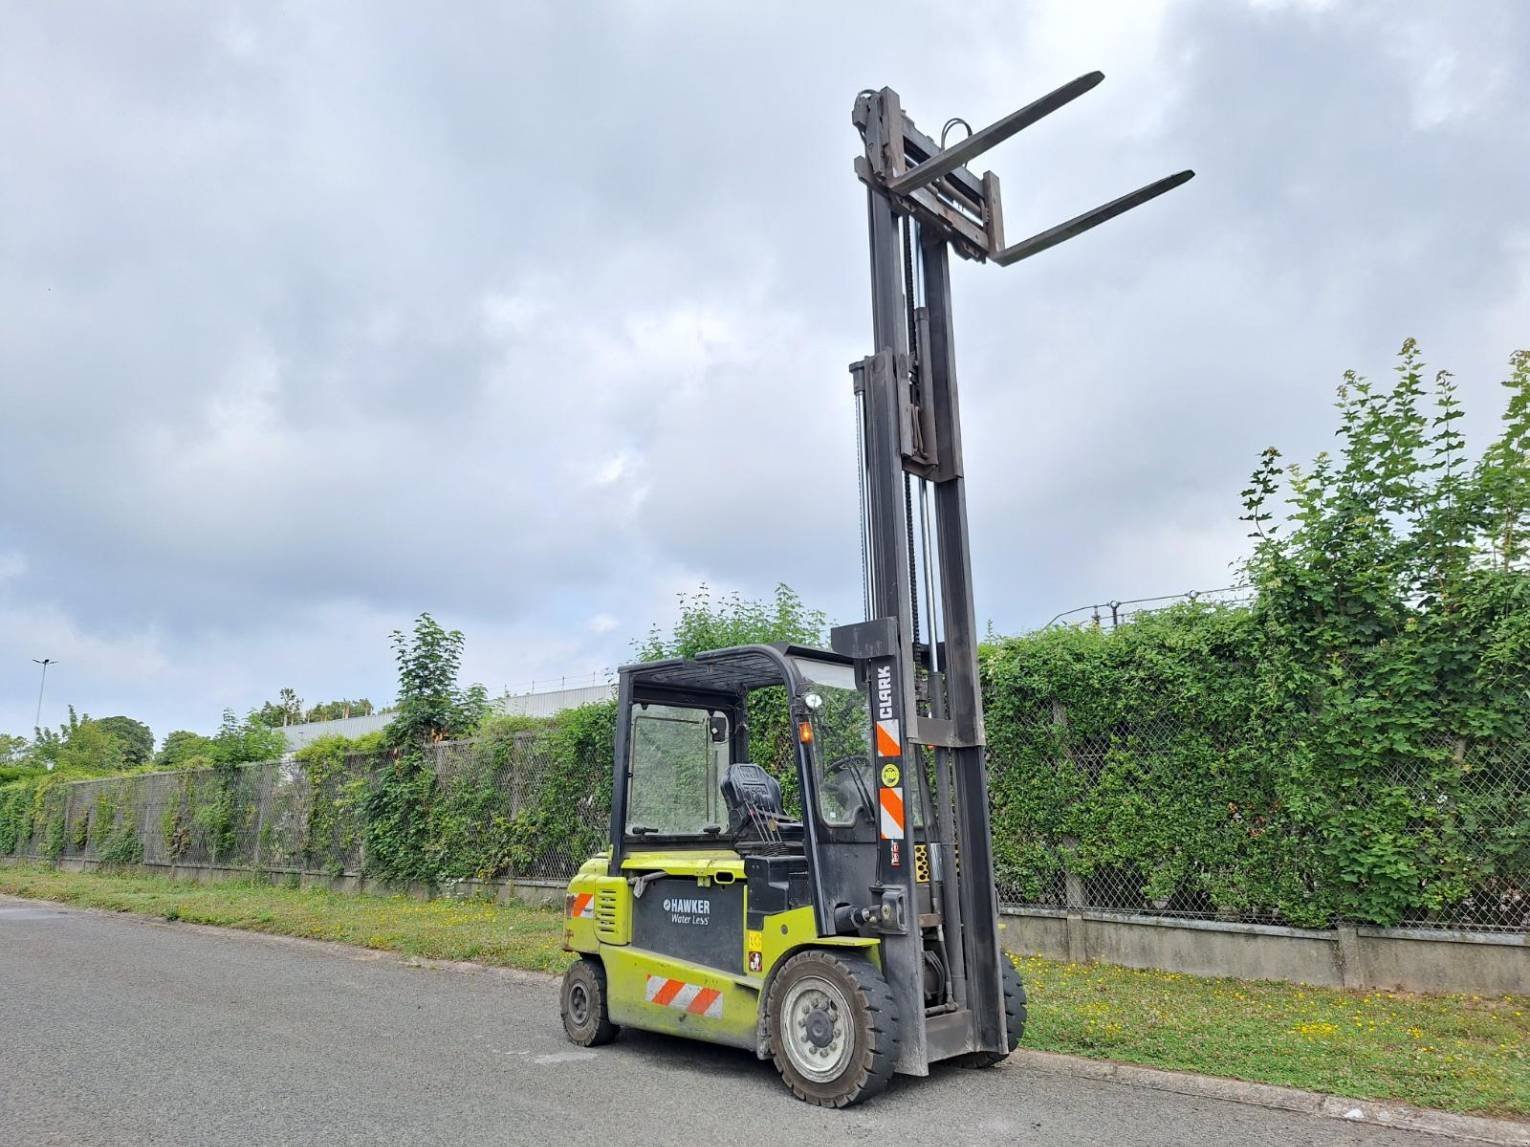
(1468,1054)
(511,935)
(1458,1053)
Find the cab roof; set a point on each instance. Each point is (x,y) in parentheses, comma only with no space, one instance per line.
(735,670)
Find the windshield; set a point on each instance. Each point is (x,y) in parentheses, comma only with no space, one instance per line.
(841,741)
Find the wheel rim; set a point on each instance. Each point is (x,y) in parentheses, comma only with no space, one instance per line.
(579,1005)
(817,1031)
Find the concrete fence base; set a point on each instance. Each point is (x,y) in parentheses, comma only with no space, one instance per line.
(1416,960)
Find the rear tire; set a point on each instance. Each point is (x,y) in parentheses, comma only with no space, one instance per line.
(1014,1021)
(833,1028)
(583,1004)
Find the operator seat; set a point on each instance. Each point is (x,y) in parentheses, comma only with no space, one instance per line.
(753,798)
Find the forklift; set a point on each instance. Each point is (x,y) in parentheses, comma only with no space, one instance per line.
(851,933)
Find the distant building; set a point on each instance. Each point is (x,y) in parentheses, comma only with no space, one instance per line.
(308,732)
(544,704)
(553,700)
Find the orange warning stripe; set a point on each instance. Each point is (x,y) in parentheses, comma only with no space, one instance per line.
(887,738)
(581,904)
(892,814)
(692,998)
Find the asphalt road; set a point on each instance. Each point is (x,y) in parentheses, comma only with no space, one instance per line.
(116,1029)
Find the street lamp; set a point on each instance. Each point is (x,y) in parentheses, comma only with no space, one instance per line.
(44,662)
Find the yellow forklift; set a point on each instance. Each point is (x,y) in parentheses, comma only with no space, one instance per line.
(852,932)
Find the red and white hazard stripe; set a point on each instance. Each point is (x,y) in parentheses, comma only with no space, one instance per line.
(892,813)
(583,907)
(889,738)
(692,998)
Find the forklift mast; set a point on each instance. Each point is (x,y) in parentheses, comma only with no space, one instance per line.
(919,640)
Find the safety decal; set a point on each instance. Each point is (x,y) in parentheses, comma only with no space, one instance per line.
(583,906)
(892,813)
(754,950)
(889,743)
(692,998)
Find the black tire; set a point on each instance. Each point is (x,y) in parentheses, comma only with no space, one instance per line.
(842,1014)
(583,1004)
(1014,1021)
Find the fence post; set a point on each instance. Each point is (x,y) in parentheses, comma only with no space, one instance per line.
(142,792)
(260,812)
(514,774)
(1347,952)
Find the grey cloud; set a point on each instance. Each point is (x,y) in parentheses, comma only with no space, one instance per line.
(319,317)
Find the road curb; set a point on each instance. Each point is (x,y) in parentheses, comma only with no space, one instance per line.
(1468,1128)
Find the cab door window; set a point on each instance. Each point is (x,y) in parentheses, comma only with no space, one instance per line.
(677,760)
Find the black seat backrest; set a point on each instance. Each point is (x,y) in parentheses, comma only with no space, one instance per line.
(746,786)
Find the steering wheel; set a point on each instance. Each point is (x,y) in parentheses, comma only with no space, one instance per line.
(851,765)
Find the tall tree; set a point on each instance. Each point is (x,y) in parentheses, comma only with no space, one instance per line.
(431,705)
(241,742)
(184,749)
(735,620)
(137,740)
(287,709)
(80,745)
(339,710)
(1393,634)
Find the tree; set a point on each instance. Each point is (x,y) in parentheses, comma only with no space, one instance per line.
(137,740)
(735,620)
(243,742)
(1393,640)
(80,745)
(1503,476)
(13,750)
(287,709)
(431,705)
(184,749)
(339,710)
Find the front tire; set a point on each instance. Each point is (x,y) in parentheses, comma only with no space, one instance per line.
(833,1028)
(1014,1020)
(583,1004)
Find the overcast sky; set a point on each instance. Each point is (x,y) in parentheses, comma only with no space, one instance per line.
(316,316)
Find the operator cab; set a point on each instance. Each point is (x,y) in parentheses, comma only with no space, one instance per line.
(690,778)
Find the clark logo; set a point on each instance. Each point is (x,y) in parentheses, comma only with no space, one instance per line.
(884,693)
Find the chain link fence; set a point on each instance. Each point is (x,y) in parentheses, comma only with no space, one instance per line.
(538,822)
(1172,817)
(1118,824)
(293,817)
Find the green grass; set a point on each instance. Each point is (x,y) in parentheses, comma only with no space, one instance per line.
(512,935)
(1458,1053)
